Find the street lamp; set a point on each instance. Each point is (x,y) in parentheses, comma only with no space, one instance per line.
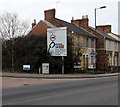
(95,13)
(95,29)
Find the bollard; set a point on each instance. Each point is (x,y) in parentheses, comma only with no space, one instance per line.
(39,70)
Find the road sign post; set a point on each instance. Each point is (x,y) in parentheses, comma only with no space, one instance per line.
(39,70)
(94,60)
(63,65)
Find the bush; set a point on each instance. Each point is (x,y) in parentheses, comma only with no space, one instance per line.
(32,50)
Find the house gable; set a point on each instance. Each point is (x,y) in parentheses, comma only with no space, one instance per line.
(41,28)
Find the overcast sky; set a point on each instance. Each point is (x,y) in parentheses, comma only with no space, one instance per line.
(65,10)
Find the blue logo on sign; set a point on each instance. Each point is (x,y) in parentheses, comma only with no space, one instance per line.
(26,68)
(56,46)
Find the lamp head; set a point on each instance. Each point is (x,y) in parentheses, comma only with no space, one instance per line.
(102,7)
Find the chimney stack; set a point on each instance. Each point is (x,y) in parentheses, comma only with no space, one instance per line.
(33,24)
(81,22)
(84,21)
(49,14)
(105,28)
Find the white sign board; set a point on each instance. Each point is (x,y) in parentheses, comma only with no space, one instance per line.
(45,68)
(26,67)
(57,41)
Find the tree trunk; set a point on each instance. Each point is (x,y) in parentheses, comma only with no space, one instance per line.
(12,60)
(12,55)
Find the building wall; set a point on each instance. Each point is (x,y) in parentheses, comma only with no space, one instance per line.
(116,37)
(83,45)
(105,28)
(86,58)
(39,29)
(106,51)
(100,41)
(80,42)
(111,45)
(100,49)
(119,53)
(102,60)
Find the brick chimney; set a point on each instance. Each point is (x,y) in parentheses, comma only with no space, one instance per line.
(81,22)
(105,28)
(33,24)
(49,14)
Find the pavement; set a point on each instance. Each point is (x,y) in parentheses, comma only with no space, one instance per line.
(57,76)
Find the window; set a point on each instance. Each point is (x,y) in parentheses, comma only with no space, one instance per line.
(87,42)
(108,44)
(93,61)
(92,43)
(115,45)
(92,58)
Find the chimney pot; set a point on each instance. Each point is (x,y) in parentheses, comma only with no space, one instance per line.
(72,18)
(85,17)
(34,21)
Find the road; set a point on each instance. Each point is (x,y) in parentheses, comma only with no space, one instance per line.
(97,91)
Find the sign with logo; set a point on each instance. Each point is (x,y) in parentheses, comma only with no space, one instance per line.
(45,68)
(57,41)
(26,67)
(93,53)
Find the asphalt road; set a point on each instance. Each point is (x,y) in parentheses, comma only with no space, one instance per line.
(97,91)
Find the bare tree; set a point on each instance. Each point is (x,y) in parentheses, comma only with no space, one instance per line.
(11,26)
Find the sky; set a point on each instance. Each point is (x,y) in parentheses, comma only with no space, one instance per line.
(65,10)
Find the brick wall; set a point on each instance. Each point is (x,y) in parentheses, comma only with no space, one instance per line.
(54,22)
(102,60)
(39,29)
(105,28)
(100,41)
(81,22)
(49,14)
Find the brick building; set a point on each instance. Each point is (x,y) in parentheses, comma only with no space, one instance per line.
(107,45)
(118,38)
(83,41)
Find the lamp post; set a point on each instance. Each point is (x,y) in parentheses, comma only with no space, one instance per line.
(94,58)
(95,13)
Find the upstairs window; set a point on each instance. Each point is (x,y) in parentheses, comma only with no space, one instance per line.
(92,43)
(87,42)
(108,44)
(115,45)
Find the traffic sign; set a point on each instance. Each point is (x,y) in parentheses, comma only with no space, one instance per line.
(26,67)
(52,37)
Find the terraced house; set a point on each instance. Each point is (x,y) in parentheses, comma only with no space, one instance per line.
(116,37)
(107,44)
(83,42)
(113,46)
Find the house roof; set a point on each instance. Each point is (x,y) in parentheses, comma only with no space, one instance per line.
(103,34)
(116,35)
(76,29)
